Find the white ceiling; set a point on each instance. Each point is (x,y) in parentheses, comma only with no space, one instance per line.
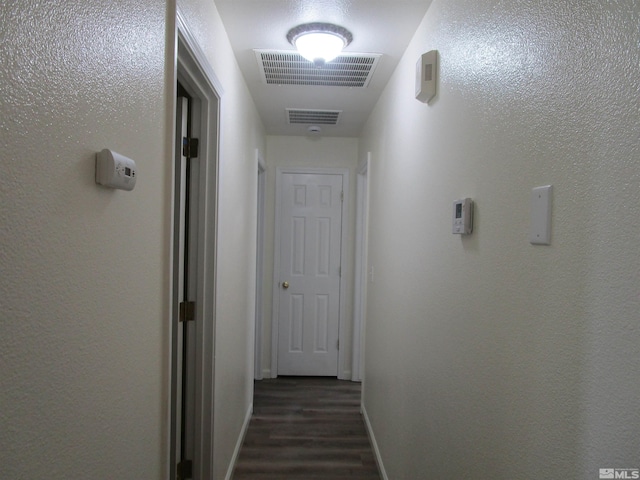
(378,26)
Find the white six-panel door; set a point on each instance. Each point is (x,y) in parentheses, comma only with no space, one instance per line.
(309,295)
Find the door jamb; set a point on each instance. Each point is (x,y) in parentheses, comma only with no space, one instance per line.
(343,262)
(197,76)
(262,185)
(360,290)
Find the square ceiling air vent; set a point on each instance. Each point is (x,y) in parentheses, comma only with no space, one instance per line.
(313,117)
(290,68)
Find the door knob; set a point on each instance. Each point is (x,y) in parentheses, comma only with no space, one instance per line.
(285,285)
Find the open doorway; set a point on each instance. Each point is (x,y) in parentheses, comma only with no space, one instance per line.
(195,190)
(185,267)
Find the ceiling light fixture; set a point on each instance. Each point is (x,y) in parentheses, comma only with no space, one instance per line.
(319,42)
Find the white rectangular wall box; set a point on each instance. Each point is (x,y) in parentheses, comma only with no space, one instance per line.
(115,171)
(426,69)
(462,216)
(540,233)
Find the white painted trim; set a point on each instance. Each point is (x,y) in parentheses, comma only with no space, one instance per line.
(197,76)
(344,261)
(374,444)
(360,274)
(262,165)
(171,58)
(239,442)
(262,187)
(341,374)
(275,308)
(198,54)
(363,166)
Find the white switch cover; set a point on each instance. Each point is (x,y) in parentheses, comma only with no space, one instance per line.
(540,233)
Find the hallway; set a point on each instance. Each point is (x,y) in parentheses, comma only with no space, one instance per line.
(306,428)
(487,355)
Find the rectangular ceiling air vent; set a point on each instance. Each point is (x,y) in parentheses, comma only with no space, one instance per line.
(290,68)
(315,117)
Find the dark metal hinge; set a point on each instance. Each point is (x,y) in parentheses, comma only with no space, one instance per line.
(187,311)
(190,147)
(185,469)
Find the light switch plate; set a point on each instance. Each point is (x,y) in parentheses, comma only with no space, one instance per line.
(540,233)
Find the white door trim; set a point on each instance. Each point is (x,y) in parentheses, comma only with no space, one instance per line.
(360,290)
(262,185)
(197,76)
(280,171)
(198,57)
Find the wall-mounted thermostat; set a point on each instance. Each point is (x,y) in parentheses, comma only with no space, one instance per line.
(115,171)
(426,76)
(463,216)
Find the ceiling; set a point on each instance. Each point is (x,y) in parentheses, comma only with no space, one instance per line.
(378,26)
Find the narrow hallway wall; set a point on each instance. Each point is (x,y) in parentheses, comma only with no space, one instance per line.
(83,268)
(85,271)
(241,133)
(488,357)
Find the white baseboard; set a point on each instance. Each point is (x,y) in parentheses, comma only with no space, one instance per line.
(374,444)
(236,451)
(266,373)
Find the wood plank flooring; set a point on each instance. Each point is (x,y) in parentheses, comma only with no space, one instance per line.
(306,428)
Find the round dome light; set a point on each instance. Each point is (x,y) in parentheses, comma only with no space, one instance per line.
(319,42)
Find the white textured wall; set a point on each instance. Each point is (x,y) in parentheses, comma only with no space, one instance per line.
(487,357)
(82,268)
(310,152)
(241,133)
(85,270)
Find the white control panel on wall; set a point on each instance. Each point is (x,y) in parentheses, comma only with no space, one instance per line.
(426,70)
(463,216)
(540,232)
(115,171)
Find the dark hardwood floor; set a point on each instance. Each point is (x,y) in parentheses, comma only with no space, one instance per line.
(306,428)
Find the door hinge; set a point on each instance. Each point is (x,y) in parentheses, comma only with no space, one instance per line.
(189,147)
(185,469)
(342,196)
(187,311)
(338,344)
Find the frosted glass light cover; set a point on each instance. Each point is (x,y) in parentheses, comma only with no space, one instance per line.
(325,46)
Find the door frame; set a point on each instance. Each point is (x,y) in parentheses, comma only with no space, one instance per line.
(196,75)
(262,185)
(360,287)
(280,171)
